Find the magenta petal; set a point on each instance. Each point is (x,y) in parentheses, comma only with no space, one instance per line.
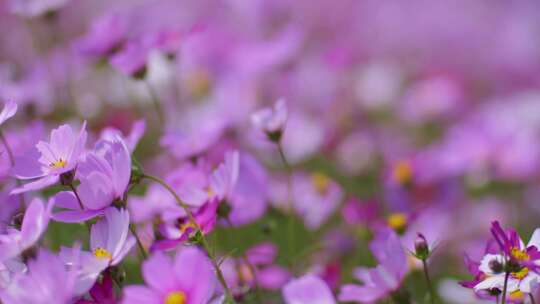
(75,216)
(141,295)
(36,185)
(192,263)
(158,272)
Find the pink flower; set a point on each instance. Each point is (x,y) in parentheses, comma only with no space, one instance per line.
(35,221)
(104,176)
(58,156)
(382,280)
(271,120)
(308,289)
(109,243)
(189,279)
(47,281)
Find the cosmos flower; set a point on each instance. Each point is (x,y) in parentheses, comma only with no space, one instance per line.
(188,279)
(316,197)
(58,156)
(271,121)
(34,224)
(110,242)
(104,176)
(386,278)
(308,289)
(520,260)
(179,229)
(47,281)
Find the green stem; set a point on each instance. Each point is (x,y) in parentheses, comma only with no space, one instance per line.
(155,100)
(139,243)
(204,242)
(428,281)
(505,287)
(12,163)
(290,222)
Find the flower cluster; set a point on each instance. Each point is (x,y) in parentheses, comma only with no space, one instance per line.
(269,151)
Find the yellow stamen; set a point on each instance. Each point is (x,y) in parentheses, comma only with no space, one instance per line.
(397,221)
(102,253)
(320,181)
(516,294)
(402,172)
(176,297)
(185,226)
(520,255)
(60,163)
(521,274)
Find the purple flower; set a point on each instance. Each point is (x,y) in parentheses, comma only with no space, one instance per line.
(386,277)
(248,201)
(179,229)
(131,139)
(47,281)
(35,221)
(104,176)
(189,279)
(271,120)
(308,289)
(316,197)
(9,110)
(60,155)
(110,242)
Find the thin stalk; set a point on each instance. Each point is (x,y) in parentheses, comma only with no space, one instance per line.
(252,268)
(428,281)
(204,242)
(497,299)
(290,222)
(12,163)
(505,287)
(155,100)
(532,298)
(139,243)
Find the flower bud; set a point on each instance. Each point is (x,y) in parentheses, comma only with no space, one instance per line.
(421,248)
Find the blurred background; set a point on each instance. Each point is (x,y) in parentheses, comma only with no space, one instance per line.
(424,109)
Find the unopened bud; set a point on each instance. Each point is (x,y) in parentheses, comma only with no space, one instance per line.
(421,248)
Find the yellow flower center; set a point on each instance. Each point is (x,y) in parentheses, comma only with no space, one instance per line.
(60,163)
(320,181)
(516,295)
(520,255)
(402,172)
(185,226)
(176,297)
(102,253)
(521,274)
(397,221)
